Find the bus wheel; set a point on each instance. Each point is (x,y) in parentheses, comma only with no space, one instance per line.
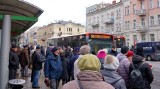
(149,58)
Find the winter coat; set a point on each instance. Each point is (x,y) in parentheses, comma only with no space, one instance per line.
(64,66)
(24,58)
(120,56)
(145,70)
(89,80)
(53,67)
(114,53)
(13,60)
(102,62)
(37,59)
(113,78)
(71,63)
(123,70)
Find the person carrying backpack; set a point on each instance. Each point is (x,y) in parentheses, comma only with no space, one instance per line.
(140,74)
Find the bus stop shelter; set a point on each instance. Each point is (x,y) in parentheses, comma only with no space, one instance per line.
(16,16)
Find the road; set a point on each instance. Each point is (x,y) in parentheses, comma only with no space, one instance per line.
(156,72)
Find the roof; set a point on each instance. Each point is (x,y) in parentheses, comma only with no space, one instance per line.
(23,15)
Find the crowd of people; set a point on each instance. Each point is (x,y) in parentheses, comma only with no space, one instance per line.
(79,68)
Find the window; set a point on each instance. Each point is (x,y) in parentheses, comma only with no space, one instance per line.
(97,19)
(78,29)
(59,29)
(143,37)
(135,38)
(127,10)
(152,37)
(142,5)
(152,20)
(102,19)
(134,8)
(158,3)
(134,24)
(158,19)
(128,25)
(151,4)
(143,21)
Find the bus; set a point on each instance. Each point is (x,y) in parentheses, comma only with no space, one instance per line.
(119,41)
(151,50)
(96,41)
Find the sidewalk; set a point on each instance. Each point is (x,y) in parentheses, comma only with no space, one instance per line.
(28,84)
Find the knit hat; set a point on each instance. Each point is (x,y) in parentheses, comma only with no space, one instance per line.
(76,49)
(124,49)
(130,53)
(85,49)
(13,46)
(111,62)
(89,62)
(38,47)
(54,49)
(101,54)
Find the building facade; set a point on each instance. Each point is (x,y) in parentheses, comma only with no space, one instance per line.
(105,18)
(141,21)
(137,20)
(57,29)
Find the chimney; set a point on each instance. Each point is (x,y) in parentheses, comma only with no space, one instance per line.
(114,2)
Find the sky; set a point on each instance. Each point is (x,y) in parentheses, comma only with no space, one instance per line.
(54,10)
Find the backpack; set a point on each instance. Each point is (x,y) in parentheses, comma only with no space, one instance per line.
(136,79)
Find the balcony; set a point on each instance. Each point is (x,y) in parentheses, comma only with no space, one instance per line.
(109,21)
(141,12)
(95,24)
(142,29)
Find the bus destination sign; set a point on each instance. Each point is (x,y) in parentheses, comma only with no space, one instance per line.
(100,36)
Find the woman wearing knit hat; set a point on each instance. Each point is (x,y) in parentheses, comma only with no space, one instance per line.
(110,73)
(85,49)
(101,56)
(123,68)
(89,77)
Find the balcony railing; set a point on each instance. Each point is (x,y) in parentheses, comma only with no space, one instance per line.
(141,12)
(109,21)
(142,28)
(95,24)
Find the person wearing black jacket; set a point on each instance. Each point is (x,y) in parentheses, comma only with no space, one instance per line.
(37,59)
(13,62)
(144,69)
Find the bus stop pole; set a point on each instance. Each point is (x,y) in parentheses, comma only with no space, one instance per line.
(4,54)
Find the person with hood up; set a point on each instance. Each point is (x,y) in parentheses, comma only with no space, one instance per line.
(145,70)
(123,68)
(89,77)
(122,55)
(85,49)
(110,74)
(101,56)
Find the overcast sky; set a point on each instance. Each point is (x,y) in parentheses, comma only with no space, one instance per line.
(74,10)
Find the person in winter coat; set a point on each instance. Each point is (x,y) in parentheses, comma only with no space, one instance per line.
(13,62)
(113,51)
(101,56)
(122,55)
(89,77)
(24,61)
(53,68)
(85,49)
(64,66)
(144,69)
(123,69)
(71,62)
(37,59)
(110,73)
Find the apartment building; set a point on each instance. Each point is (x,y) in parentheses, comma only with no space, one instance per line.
(105,18)
(57,29)
(141,21)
